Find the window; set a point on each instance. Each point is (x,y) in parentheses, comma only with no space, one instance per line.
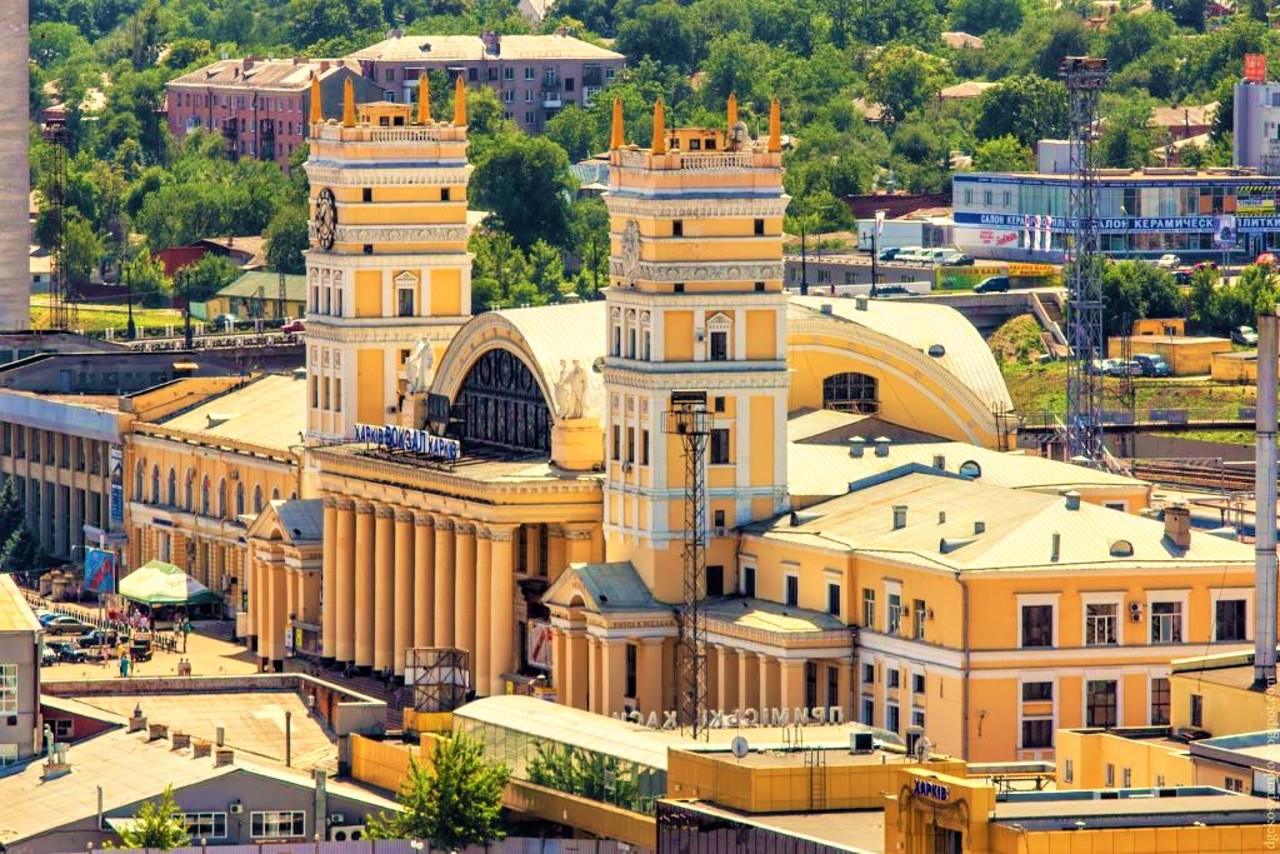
(868,674)
(894,618)
(893,678)
(188,490)
(206,825)
(719,350)
(366,194)
(631,444)
(1068,771)
(718,403)
(868,711)
(749,581)
(850,392)
(1229,620)
(715,581)
(528,74)
(139,475)
(644,447)
(445,194)
(833,686)
(1197,710)
(617,442)
(239,499)
(1166,622)
(404,301)
(222,499)
(1037,733)
(891,722)
(917,683)
(1159,701)
(811,683)
(1036,692)
(64,729)
(277,824)
(792,584)
(155,484)
(677,228)
(1126,777)
(1233,784)
(473,74)
(833,599)
(921,612)
(1100,703)
(1037,625)
(508,74)
(868,608)
(1100,623)
(206,496)
(173,487)
(720,446)
(631,670)
(917,718)
(1110,775)
(8,689)
(257,499)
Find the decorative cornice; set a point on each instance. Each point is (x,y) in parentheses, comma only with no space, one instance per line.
(696,271)
(444,523)
(502,533)
(616,376)
(364,507)
(403,515)
(576,533)
(382,511)
(394,233)
(332,176)
(346,504)
(463,528)
(330,502)
(482,533)
(422,519)
(696,208)
(319,328)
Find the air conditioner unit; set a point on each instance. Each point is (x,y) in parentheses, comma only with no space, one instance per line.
(337,818)
(235,808)
(1135,612)
(719,532)
(861,742)
(351,833)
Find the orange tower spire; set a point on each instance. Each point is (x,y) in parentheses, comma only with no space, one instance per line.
(317,109)
(424,98)
(460,102)
(659,143)
(348,104)
(616,139)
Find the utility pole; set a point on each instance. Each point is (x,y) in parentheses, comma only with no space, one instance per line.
(875,251)
(184,276)
(131,331)
(804,260)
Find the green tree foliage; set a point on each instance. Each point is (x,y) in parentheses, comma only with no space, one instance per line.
(661,31)
(574,130)
(21,552)
(157,825)
(903,80)
(589,231)
(982,16)
(287,238)
(82,249)
(454,802)
(1127,138)
(209,275)
(1002,154)
(1028,108)
(145,277)
(12,510)
(1132,290)
(587,774)
(525,182)
(1132,37)
(546,270)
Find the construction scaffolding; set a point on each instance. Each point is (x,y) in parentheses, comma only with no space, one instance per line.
(1084,77)
(689,419)
(62,309)
(440,677)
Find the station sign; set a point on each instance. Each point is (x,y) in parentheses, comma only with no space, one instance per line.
(390,437)
(932,790)
(741,718)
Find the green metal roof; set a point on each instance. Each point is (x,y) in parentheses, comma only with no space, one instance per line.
(295,286)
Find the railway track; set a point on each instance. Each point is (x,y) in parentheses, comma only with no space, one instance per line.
(1217,478)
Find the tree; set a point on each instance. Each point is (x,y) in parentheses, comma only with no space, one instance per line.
(12,512)
(1028,108)
(287,238)
(146,278)
(209,275)
(455,802)
(982,16)
(904,79)
(589,230)
(546,270)
(1132,290)
(573,129)
(525,182)
(157,825)
(1127,138)
(661,31)
(82,250)
(21,552)
(1002,154)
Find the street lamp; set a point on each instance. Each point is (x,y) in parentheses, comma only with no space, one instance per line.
(184,279)
(875,250)
(131,331)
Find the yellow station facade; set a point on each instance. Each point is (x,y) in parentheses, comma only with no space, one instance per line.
(507,484)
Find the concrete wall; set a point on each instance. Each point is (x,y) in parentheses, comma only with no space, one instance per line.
(15,283)
(20,647)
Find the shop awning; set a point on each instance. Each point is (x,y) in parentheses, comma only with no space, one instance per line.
(160,583)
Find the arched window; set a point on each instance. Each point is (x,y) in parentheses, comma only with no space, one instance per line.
(173,487)
(504,405)
(240,499)
(222,498)
(206,496)
(851,392)
(632,332)
(275,494)
(616,338)
(646,338)
(189,489)
(139,476)
(257,499)
(155,484)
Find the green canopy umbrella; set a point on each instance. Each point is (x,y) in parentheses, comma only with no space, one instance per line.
(159,583)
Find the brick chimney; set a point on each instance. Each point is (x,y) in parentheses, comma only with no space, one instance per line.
(1177,525)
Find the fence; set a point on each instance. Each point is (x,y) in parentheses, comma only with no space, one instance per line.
(165,641)
(510,845)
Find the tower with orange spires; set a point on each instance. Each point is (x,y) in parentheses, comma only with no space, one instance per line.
(695,301)
(388,267)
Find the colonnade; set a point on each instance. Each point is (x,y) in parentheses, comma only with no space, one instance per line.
(395,578)
(279,594)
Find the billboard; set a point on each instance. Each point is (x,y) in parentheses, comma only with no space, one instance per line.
(117,486)
(1255,67)
(100,570)
(539,645)
(1224,231)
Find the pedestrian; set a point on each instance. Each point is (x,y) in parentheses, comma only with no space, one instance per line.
(124,665)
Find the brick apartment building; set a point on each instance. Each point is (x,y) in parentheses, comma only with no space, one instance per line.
(260,106)
(535,76)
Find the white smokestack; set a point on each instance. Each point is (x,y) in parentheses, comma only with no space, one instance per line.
(1264,633)
(15,263)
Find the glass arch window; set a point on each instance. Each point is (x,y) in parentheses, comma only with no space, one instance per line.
(222,498)
(173,487)
(257,499)
(850,392)
(503,406)
(155,484)
(139,477)
(206,496)
(240,499)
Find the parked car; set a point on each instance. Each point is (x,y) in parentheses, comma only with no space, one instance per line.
(99,637)
(67,651)
(992,285)
(889,254)
(1245,335)
(47,656)
(64,625)
(140,649)
(952,258)
(294,326)
(1168,262)
(1182,278)
(44,615)
(1205,265)
(1104,366)
(1153,365)
(1126,369)
(891,291)
(911,254)
(1266,258)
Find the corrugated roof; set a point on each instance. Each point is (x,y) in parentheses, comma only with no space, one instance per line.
(15,614)
(286,74)
(295,286)
(268,412)
(771,616)
(816,469)
(920,326)
(1019,529)
(1193,115)
(610,587)
(471,48)
(559,335)
(303,518)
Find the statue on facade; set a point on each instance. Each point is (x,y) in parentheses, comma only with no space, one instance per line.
(48,742)
(577,382)
(560,389)
(417,369)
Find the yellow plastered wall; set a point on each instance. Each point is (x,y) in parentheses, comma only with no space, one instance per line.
(1226,709)
(1151,763)
(370,407)
(678,336)
(1005,839)
(368,293)
(379,763)
(763,425)
(762,335)
(446,293)
(720,778)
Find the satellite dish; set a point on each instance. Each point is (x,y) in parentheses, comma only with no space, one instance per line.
(598,364)
(923,748)
(739,746)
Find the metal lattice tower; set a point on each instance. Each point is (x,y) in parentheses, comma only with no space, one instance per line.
(689,419)
(1085,77)
(60,308)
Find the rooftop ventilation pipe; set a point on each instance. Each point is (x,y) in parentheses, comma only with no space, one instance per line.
(1264,649)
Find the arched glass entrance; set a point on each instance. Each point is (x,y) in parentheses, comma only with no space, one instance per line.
(502,405)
